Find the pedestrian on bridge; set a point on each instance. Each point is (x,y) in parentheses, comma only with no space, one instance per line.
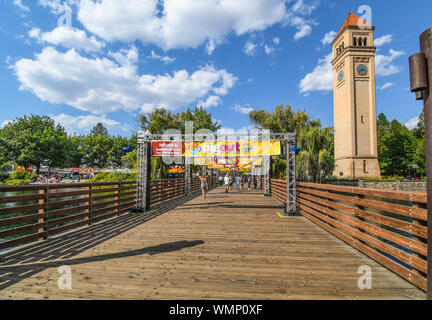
(221,179)
(238,181)
(203,179)
(226,180)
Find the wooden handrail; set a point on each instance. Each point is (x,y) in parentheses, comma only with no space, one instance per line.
(388,226)
(48,209)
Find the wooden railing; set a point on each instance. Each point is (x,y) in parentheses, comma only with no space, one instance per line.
(388,226)
(36,212)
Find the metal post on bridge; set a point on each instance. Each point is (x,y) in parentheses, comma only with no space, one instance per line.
(421,84)
(291,202)
(188,161)
(267,171)
(143,173)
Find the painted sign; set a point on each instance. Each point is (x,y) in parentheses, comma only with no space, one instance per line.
(167,148)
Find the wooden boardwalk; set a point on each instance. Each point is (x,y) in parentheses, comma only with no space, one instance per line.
(230,246)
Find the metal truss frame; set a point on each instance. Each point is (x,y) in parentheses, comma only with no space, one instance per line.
(143,174)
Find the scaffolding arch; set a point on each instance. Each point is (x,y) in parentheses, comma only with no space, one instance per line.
(144,163)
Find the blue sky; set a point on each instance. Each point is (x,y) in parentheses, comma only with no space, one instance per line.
(84,61)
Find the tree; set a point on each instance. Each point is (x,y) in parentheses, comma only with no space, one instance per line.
(35,140)
(316,158)
(116,153)
(99,129)
(75,152)
(201,120)
(96,147)
(282,119)
(396,148)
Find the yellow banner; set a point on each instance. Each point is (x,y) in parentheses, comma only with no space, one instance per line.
(234,148)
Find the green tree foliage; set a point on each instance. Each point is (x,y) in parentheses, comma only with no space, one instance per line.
(283,119)
(102,150)
(316,158)
(317,144)
(34,141)
(75,153)
(396,147)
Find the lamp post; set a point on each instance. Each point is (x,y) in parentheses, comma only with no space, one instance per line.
(421,84)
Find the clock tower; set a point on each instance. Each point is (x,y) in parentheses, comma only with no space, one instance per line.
(356,152)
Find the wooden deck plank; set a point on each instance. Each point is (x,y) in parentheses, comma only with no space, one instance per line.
(230,246)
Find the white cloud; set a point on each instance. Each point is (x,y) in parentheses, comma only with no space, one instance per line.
(19,4)
(250,48)
(384,66)
(386,39)
(329,37)
(164,59)
(269,50)
(84,123)
(321,78)
(126,57)
(250,80)
(101,86)
(387,85)
(243,109)
(70,38)
(173,24)
(5,123)
(212,101)
(411,124)
(276,40)
(210,47)
(304,31)
(58,6)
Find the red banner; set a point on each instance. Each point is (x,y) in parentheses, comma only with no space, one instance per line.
(167,148)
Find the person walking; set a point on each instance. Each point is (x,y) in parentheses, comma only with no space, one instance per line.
(238,181)
(221,179)
(231,182)
(203,185)
(226,180)
(249,182)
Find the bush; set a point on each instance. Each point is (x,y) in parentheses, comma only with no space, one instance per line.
(22,175)
(113,177)
(17,182)
(3,176)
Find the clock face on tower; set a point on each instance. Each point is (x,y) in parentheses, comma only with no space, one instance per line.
(341,75)
(362,69)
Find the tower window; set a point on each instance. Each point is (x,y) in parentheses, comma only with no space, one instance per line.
(365,166)
(365,42)
(355,42)
(362,119)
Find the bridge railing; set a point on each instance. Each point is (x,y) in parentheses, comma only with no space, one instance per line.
(35,212)
(388,226)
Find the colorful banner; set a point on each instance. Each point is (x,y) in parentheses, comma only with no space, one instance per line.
(213,161)
(176,170)
(167,148)
(235,148)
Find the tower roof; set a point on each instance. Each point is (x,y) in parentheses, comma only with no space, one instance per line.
(353,20)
